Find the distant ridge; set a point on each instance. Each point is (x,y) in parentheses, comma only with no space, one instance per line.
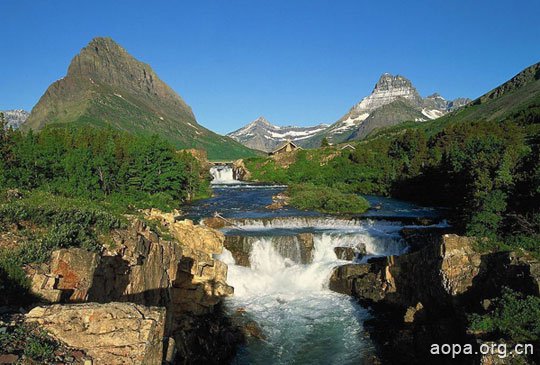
(265,136)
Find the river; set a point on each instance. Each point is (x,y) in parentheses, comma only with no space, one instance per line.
(301,320)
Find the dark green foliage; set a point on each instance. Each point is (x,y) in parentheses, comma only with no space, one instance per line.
(515,318)
(101,164)
(325,199)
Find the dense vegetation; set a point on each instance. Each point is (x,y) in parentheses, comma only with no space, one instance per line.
(515,318)
(100,164)
(325,199)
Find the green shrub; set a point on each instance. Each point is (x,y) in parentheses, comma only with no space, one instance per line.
(515,317)
(30,341)
(325,199)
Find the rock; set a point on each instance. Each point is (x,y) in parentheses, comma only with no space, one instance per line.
(279,201)
(344,276)
(75,271)
(345,253)
(177,272)
(214,222)
(252,329)
(9,359)
(113,333)
(421,297)
(240,171)
(170,354)
(412,312)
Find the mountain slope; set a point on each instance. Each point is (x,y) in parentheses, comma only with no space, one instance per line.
(106,86)
(517,99)
(15,118)
(264,136)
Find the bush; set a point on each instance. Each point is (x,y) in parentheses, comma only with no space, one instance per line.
(515,318)
(325,199)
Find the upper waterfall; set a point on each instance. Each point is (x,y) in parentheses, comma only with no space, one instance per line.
(223,174)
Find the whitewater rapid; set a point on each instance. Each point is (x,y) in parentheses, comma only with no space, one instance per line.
(303,322)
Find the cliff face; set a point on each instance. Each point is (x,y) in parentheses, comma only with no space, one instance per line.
(422,297)
(176,272)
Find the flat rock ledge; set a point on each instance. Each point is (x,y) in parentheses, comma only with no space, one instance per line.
(112,333)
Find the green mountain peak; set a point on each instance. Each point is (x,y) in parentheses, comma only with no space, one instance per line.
(106,86)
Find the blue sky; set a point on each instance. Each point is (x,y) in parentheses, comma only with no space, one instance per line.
(294,61)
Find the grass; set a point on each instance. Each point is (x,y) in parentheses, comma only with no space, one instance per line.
(31,342)
(325,199)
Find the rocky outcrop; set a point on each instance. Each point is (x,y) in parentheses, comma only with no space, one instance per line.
(170,266)
(421,298)
(113,333)
(279,201)
(240,171)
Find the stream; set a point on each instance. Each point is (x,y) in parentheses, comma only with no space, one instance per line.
(301,320)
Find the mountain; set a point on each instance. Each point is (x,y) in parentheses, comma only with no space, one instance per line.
(517,99)
(394,100)
(264,136)
(106,86)
(15,118)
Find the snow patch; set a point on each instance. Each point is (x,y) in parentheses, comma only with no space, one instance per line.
(432,113)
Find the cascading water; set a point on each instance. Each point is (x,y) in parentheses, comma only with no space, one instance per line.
(302,320)
(291,256)
(222,174)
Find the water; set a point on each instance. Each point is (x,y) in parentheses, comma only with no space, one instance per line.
(303,322)
(223,174)
(300,320)
(235,199)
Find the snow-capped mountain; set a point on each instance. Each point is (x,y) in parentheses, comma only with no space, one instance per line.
(264,136)
(15,118)
(393,100)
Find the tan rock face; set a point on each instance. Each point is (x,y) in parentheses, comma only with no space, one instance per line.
(113,333)
(69,277)
(240,171)
(174,270)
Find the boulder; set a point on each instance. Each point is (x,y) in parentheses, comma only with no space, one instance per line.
(345,253)
(112,333)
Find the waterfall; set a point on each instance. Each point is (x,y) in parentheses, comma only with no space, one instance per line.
(291,302)
(222,174)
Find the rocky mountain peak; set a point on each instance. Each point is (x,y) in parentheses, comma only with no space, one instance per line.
(105,62)
(435,96)
(389,82)
(262,121)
